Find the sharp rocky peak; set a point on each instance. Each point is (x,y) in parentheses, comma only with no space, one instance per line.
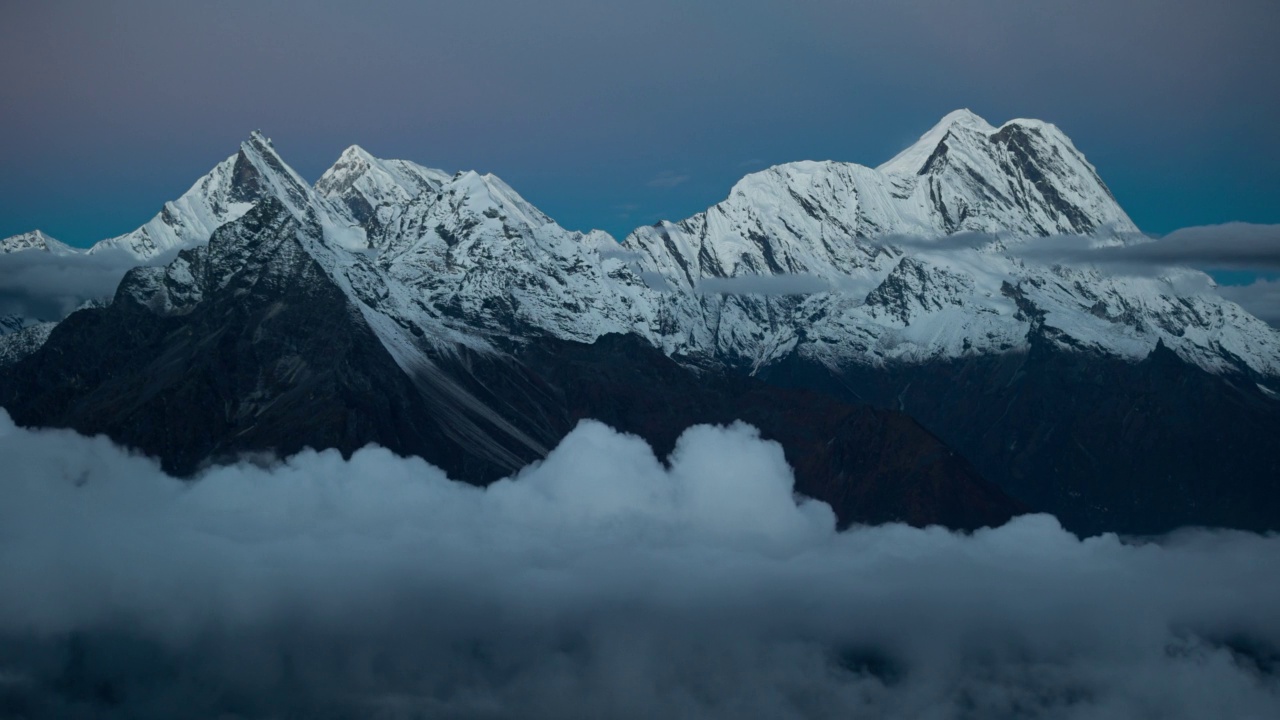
(225,194)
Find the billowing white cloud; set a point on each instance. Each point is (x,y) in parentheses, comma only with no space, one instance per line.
(601,582)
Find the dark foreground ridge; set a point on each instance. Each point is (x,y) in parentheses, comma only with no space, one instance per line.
(274,359)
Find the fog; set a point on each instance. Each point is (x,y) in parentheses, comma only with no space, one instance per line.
(1261,298)
(47,286)
(602,582)
(1229,246)
(785,284)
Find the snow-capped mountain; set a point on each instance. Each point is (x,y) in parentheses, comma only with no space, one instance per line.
(926,257)
(374,191)
(224,194)
(34,240)
(1025,177)
(918,259)
(285,330)
(432,313)
(484,256)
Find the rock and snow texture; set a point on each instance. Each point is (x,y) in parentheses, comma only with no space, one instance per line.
(919,259)
(374,191)
(922,260)
(1025,177)
(224,194)
(20,337)
(34,240)
(484,256)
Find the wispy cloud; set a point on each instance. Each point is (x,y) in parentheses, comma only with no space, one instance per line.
(45,286)
(800,284)
(1231,246)
(668,179)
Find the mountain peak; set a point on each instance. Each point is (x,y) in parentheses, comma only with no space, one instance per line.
(966,118)
(258,138)
(911,160)
(34,240)
(372,189)
(356,153)
(224,194)
(259,146)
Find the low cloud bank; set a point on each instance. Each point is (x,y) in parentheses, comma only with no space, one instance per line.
(44,286)
(1230,246)
(798,284)
(1261,298)
(601,582)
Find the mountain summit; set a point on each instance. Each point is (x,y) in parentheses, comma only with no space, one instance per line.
(34,240)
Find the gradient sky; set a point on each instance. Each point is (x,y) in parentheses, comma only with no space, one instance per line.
(614,114)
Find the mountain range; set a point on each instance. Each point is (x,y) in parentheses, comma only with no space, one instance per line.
(906,332)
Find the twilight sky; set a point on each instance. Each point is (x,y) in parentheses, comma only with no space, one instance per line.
(621,113)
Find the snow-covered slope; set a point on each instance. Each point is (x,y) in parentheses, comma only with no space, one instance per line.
(374,191)
(1024,177)
(491,261)
(224,194)
(919,259)
(923,258)
(35,240)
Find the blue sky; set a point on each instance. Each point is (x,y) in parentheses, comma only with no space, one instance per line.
(617,114)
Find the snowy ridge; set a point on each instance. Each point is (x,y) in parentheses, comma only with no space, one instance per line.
(904,284)
(919,259)
(189,220)
(226,193)
(35,240)
(374,190)
(493,263)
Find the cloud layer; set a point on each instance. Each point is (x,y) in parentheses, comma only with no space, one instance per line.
(1261,298)
(44,286)
(1230,246)
(601,582)
(796,284)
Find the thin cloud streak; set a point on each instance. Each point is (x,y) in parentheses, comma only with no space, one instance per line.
(798,284)
(668,179)
(44,286)
(1230,246)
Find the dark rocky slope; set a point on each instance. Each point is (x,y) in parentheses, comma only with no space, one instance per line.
(1102,443)
(261,351)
